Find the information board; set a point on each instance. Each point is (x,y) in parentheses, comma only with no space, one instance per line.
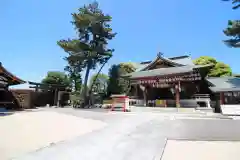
(120,102)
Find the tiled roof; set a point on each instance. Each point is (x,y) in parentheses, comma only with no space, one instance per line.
(163,71)
(12,79)
(184,61)
(181,60)
(224,84)
(3,81)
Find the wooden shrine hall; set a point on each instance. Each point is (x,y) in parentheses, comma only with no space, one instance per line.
(7,99)
(176,80)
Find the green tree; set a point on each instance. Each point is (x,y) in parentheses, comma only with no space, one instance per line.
(99,82)
(113,85)
(127,67)
(235,3)
(96,77)
(117,84)
(90,48)
(220,69)
(233,28)
(74,77)
(56,77)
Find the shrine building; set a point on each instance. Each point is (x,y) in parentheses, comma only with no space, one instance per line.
(177,82)
(7,79)
(52,94)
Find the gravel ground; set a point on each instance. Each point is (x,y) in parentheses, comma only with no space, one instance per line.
(139,135)
(24,132)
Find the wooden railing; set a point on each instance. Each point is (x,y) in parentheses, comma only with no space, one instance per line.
(201,96)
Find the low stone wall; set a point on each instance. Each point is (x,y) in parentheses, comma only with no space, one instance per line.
(27,98)
(24,97)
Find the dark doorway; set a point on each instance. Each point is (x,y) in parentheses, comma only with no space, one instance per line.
(7,100)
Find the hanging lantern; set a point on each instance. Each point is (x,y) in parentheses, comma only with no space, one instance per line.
(172,90)
(197,88)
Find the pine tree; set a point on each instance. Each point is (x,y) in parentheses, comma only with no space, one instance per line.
(90,49)
(233,29)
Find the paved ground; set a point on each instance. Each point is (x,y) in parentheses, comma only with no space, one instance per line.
(201,150)
(139,135)
(24,132)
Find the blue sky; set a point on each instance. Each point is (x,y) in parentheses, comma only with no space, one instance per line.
(30,28)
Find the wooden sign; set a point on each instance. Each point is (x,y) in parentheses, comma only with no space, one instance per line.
(161,85)
(170,79)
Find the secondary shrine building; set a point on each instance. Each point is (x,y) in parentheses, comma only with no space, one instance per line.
(173,82)
(52,94)
(7,98)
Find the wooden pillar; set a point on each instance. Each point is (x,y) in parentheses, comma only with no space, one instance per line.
(136,90)
(36,88)
(177,95)
(221,98)
(56,97)
(145,96)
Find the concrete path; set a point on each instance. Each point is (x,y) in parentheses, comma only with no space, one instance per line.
(135,136)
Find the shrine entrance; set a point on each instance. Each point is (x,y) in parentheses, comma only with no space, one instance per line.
(170,87)
(160,93)
(51,94)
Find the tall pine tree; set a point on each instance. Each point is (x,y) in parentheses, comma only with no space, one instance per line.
(233,29)
(90,48)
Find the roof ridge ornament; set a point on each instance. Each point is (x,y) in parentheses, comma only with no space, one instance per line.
(188,54)
(160,54)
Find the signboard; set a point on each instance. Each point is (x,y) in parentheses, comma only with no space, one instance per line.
(161,85)
(231,110)
(120,101)
(171,79)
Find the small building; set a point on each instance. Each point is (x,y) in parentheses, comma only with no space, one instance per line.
(227,88)
(52,94)
(176,81)
(7,98)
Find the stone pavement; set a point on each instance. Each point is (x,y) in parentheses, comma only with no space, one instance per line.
(135,136)
(201,150)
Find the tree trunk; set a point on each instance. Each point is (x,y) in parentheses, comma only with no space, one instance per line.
(75,84)
(95,78)
(84,93)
